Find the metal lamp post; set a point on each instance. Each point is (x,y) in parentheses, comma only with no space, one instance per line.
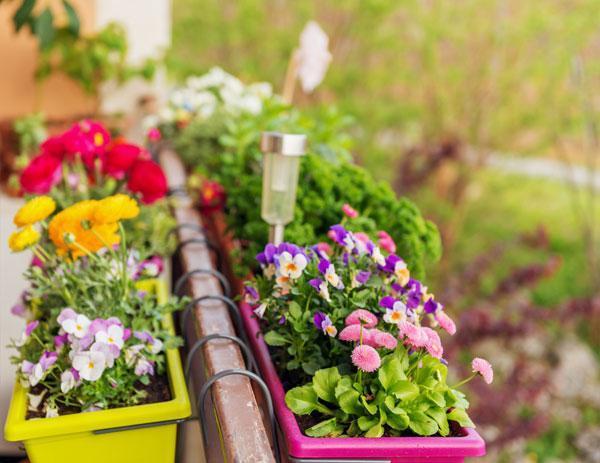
(281,166)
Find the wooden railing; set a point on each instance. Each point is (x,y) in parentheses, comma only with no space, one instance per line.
(236,427)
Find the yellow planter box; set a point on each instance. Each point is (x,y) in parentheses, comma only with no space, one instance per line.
(76,438)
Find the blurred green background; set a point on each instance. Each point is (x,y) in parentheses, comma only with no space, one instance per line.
(450,100)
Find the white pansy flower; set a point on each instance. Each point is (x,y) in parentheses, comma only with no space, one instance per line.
(396,314)
(76,326)
(67,381)
(377,256)
(292,266)
(90,364)
(113,336)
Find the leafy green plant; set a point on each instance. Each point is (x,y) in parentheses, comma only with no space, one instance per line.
(406,393)
(327,181)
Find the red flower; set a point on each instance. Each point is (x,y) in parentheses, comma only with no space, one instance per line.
(120,159)
(147,179)
(212,196)
(89,139)
(42,173)
(55,146)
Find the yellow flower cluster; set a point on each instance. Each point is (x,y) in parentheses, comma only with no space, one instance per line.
(88,226)
(34,211)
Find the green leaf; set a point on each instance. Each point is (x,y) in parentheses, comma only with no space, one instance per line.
(349,402)
(371,407)
(302,400)
(422,424)
(325,428)
(397,418)
(72,17)
(404,390)
(461,417)
(367,422)
(324,383)
(294,310)
(439,415)
(273,338)
(44,29)
(436,398)
(391,371)
(343,385)
(375,431)
(23,14)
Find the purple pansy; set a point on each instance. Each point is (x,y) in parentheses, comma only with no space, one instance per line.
(48,359)
(431,306)
(362,277)
(251,295)
(318,319)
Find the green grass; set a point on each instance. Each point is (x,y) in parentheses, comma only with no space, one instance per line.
(502,206)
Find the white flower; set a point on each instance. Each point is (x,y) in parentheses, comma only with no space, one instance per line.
(260,89)
(67,381)
(324,291)
(396,314)
(156,346)
(76,326)
(90,365)
(35,400)
(333,278)
(260,310)
(377,256)
(36,375)
(131,353)
(402,273)
(113,336)
(313,56)
(292,266)
(110,352)
(51,412)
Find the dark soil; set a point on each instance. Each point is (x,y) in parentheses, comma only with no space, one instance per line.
(158,391)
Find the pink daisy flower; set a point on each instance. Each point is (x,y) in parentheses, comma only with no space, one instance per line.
(434,344)
(445,322)
(414,335)
(350,333)
(383,339)
(366,358)
(386,242)
(349,211)
(483,368)
(368,319)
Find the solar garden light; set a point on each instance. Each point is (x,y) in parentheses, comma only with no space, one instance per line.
(281,166)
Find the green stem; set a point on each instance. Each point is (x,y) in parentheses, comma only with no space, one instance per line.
(464,381)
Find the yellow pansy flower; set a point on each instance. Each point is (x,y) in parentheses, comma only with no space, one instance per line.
(23,239)
(115,208)
(34,210)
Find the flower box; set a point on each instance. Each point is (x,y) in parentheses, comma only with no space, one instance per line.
(301,448)
(85,437)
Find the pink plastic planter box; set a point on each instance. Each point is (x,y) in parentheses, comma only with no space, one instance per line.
(385,449)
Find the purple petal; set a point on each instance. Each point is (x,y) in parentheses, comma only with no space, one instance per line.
(318,319)
(387,302)
(363,276)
